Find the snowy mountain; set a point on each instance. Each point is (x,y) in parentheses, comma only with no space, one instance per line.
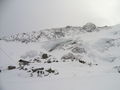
(54,33)
(59,57)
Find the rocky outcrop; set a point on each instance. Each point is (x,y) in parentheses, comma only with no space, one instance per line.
(89,27)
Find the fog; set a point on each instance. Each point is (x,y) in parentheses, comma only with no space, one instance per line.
(28,15)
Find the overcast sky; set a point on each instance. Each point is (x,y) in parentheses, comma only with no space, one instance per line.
(28,15)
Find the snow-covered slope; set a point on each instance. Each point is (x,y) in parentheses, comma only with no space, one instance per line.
(50,34)
(70,58)
(43,35)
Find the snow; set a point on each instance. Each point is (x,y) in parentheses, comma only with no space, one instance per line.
(98,81)
(101,54)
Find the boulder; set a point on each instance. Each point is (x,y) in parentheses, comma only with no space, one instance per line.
(23,62)
(44,56)
(11,67)
(89,27)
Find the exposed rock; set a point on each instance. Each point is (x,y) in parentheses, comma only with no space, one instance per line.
(83,62)
(68,27)
(49,61)
(11,67)
(117,68)
(50,70)
(78,50)
(42,72)
(68,56)
(23,63)
(89,27)
(44,56)
(36,60)
(36,69)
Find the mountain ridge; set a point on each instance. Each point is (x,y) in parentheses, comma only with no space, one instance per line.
(53,33)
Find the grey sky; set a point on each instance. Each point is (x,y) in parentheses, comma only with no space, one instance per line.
(28,15)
